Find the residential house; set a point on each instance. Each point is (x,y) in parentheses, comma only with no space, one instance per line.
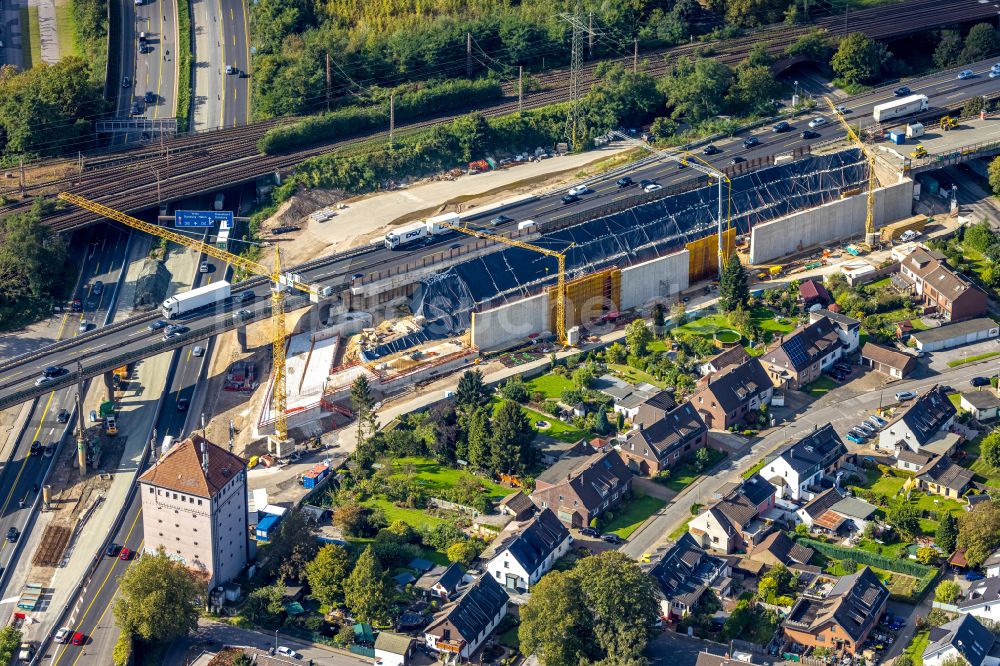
(626,397)
(983,405)
(814,512)
(912,461)
(393,649)
(856,513)
(843,619)
(733,395)
(735,355)
(812,292)
(194,506)
(982,599)
(462,626)
(992,563)
(522,559)
(940,288)
(651,447)
(442,582)
(848,328)
(799,466)
(964,637)
(800,357)
(920,423)
(684,573)
(580,488)
(943,477)
(734,522)
(518,505)
(655,408)
(891,362)
(778,548)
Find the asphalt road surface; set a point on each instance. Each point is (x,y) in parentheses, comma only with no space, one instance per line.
(149,63)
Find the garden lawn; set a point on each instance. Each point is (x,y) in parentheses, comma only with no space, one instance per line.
(955,399)
(634,376)
(765,318)
(416,518)
(917,646)
(510,639)
(821,386)
(974,461)
(887,486)
(551,385)
(564,432)
(437,478)
(628,519)
(683,474)
(918,324)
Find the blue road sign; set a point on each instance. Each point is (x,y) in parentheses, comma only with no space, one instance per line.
(202,218)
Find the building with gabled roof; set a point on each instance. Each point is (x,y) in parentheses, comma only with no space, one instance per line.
(943,477)
(843,619)
(580,488)
(442,582)
(778,548)
(733,395)
(963,637)
(684,573)
(734,522)
(891,362)
(523,558)
(942,288)
(735,355)
(655,407)
(982,599)
(917,425)
(799,467)
(393,649)
(194,506)
(462,626)
(800,357)
(652,447)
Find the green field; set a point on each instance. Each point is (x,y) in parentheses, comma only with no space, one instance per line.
(437,478)
(683,474)
(66,28)
(820,387)
(416,518)
(564,432)
(31,37)
(628,519)
(551,385)
(762,316)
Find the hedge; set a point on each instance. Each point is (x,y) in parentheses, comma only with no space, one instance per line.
(184,38)
(412,102)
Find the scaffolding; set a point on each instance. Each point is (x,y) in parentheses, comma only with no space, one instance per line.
(589,297)
(703,254)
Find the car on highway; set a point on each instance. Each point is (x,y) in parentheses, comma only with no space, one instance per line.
(76,305)
(750,142)
(182,404)
(79,638)
(42,381)
(125,554)
(62,416)
(12,534)
(570,198)
(779,127)
(198,352)
(966,74)
(288,652)
(36,448)
(808,134)
(737,159)
(577,190)
(157,325)
(126,82)
(901,91)
(176,328)
(247,296)
(612,538)
(994,73)
(84,326)
(625,181)
(97,289)
(244,314)
(841,109)
(62,635)
(135,109)
(818,121)
(171,335)
(652,187)
(204,267)
(905,395)
(149,97)
(455,246)
(54,371)
(710,150)
(112,550)
(501,219)
(230,69)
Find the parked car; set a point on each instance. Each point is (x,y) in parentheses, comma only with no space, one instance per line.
(854,438)
(905,395)
(901,91)
(877,421)
(979,381)
(590,532)
(750,142)
(288,652)
(859,433)
(612,538)
(865,428)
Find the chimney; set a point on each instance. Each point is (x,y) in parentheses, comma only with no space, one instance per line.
(640,425)
(204,457)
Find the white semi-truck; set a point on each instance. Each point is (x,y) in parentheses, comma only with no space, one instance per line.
(900,107)
(432,226)
(196,298)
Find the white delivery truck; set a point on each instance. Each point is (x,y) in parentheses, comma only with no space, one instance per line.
(196,298)
(900,107)
(413,231)
(434,223)
(525,225)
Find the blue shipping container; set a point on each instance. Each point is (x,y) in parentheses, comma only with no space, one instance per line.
(266,526)
(897,137)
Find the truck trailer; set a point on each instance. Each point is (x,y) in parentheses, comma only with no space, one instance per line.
(900,107)
(414,231)
(196,298)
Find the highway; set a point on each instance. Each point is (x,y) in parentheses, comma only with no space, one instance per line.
(102,262)
(152,68)
(136,337)
(222,50)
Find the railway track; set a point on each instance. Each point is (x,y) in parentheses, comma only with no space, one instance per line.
(196,164)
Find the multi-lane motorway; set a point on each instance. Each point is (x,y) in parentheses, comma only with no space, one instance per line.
(148,51)
(222,50)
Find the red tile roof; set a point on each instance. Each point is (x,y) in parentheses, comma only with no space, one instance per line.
(181,469)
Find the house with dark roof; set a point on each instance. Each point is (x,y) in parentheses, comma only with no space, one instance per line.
(814,512)
(523,558)
(940,288)
(912,461)
(651,447)
(654,408)
(684,572)
(983,405)
(848,328)
(735,355)
(943,477)
(734,522)
(891,362)
(462,626)
(580,488)
(733,395)
(801,356)
(812,292)
(799,467)
(778,548)
(963,637)
(843,619)
(982,599)
(992,563)
(442,582)
(919,424)
(518,505)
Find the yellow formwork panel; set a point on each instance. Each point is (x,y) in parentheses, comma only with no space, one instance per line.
(589,297)
(702,259)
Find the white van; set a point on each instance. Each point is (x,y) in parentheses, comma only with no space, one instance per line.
(525,225)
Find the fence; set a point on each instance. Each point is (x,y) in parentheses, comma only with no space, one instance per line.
(453,506)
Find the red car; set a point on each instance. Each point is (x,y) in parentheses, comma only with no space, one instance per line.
(125,554)
(78,638)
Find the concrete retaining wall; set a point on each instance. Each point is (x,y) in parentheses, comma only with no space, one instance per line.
(830,222)
(642,285)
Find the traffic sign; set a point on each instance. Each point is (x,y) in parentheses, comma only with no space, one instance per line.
(203,218)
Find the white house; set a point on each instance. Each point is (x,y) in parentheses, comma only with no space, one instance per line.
(848,328)
(992,564)
(982,599)
(522,559)
(964,637)
(393,649)
(800,466)
(465,624)
(919,423)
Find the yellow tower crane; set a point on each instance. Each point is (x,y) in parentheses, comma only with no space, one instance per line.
(870,236)
(559,256)
(280,281)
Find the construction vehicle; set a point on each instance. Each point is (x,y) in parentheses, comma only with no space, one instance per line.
(948,123)
(110,425)
(280,283)
(919,151)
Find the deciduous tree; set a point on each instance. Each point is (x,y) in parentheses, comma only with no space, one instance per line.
(327,572)
(637,336)
(905,518)
(367,591)
(979,532)
(10,641)
(859,58)
(990,448)
(156,599)
(555,624)
(981,41)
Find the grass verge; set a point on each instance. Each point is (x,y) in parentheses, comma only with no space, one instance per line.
(69,44)
(184,38)
(972,359)
(31,37)
(628,519)
(684,474)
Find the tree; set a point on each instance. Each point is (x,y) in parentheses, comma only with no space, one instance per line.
(637,336)
(701,459)
(121,653)
(949,49)
(678,314)
(981,42)
(814,46)
(734,291)
(471,392)
(696,89)
(28,251)
(480,447)
(327,572)
(10,641)
(243,659)
(583,377)
(990,448)
(367,591)
(754,89)
(555,624)
(994,175)
(463,552)
(156,599)
(514,389)
(615,353)
(905,518)
(859,58)
(927,555)
(292,546)
(947,592)
(979,532)
(601,425)
(512,439)
(364,408)
(947,533)
(265,604)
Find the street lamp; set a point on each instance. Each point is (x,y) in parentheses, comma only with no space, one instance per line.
(275,640)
